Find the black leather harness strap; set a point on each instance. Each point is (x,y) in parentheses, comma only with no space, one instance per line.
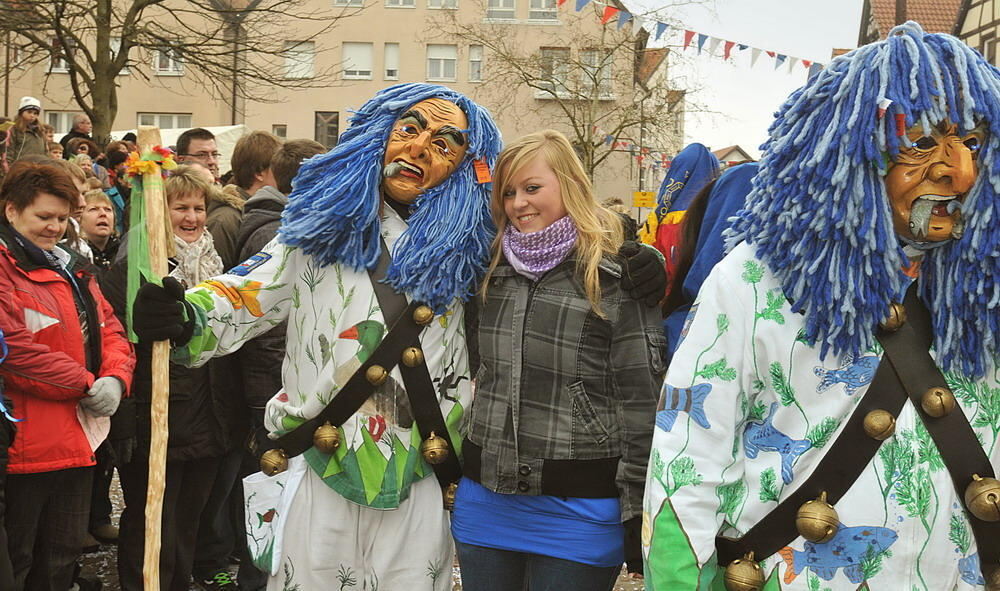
(906,371)
(403,331)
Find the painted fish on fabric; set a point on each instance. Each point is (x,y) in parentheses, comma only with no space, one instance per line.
(690,400)
(846,551)
(971,571)
(854,375)
(764,436)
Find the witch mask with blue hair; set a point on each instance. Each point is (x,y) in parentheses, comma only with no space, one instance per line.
(426,151)
(889,156)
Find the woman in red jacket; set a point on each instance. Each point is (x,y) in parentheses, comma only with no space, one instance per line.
(70,363)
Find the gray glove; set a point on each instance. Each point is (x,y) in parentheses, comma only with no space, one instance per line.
(103,397)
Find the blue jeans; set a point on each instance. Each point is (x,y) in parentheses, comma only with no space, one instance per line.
(489,569)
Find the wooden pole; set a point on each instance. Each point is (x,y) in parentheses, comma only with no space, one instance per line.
(900,12)
(155,201)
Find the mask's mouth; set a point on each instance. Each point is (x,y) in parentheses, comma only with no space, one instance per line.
(403,168)
(927,207)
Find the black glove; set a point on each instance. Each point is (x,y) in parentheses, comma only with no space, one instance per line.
(644,276)
(158,313)
(633,545)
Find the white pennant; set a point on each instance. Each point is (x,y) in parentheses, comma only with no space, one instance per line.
(754,54)
(713,44)
(637,23)
(791,63)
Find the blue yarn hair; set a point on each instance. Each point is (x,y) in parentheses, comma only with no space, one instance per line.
(819,213)
(333,210)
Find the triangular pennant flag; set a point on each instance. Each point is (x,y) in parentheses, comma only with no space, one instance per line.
(713,45)
(662,28)
(742,46)
(701,41)
(688,36)
(580,4)
(608,139)
(623,17)
(770,53)
(727,49)
(780,59)
(814,69)
(637,23)
(791,63)
(609,12)
(753,56)
(807,63)
(560,2)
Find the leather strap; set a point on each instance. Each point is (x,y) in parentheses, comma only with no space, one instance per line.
(424,403)
(403,332)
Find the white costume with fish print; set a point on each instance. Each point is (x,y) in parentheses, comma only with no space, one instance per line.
(333,519)
(747,412)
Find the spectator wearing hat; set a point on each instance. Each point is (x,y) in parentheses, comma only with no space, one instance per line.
(26,136)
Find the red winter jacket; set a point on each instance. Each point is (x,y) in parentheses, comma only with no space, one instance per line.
(45,373)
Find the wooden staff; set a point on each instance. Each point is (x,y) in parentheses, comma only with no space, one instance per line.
(156,224)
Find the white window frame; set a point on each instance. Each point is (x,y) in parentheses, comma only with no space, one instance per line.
(502,10)
(543,10)
(400,4)
(554,66)
(475,63)
(58,64)
(300,59)
(390,61)
(164,120)
(442,4)
(61,121)
(593,64)
(280,131)
(439,58)
(115,45)
(348,2)
(357,65)
(174,64)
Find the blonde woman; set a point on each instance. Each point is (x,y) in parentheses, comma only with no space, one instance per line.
(558,436)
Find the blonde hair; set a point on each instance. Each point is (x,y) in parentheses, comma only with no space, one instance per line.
(95,195)
(599,231)
(186,180)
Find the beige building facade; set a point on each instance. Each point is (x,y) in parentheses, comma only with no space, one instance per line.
(474,46)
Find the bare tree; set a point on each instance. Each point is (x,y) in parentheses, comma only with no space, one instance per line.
(598,84)
(232,47)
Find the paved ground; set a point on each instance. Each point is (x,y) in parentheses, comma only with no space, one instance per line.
(102,564)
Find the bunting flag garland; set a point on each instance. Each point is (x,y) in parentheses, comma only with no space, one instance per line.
(659,28)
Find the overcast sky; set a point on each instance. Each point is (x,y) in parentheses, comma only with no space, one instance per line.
(744,98)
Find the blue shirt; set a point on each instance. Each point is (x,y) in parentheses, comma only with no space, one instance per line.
(588,531)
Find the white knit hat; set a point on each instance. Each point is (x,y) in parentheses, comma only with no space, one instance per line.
(29,102)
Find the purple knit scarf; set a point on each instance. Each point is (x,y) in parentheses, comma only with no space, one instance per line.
(535,253)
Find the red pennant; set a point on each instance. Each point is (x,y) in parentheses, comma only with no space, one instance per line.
(560,2)
(609,13)
(806,63)
(728,47)
(688,36)
(770,53)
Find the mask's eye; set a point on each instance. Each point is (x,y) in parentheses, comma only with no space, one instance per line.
(924,143)
(972,144)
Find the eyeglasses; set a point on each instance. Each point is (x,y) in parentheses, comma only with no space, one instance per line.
(204,155)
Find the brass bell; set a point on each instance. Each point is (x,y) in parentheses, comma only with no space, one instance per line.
(744,574)
(982,497)
(434,449)
(896,319)
(423,315)
(817,520)
(880,424)
(938,402)
(412,357)
(273,461)
(326,438)
(449,496)
(376,375)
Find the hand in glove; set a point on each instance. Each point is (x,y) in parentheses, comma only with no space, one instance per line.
(158,313)
(644,275)
(633,547)
(103,397)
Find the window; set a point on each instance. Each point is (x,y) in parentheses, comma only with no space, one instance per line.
(442,3)
(299,59)
(116,46)
(503,9)
(399,4)
(475,63)
(357,61)
(554,71)
(392,61)
(327,128)
(348,2)
(543,10)
(595,73)
(59,61)
(280,131)
(61,121)
(441,61)
(166,120)
(167,62)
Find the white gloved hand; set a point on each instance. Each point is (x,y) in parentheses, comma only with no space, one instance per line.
(103,397)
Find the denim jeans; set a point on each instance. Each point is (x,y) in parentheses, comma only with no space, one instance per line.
(489,569)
